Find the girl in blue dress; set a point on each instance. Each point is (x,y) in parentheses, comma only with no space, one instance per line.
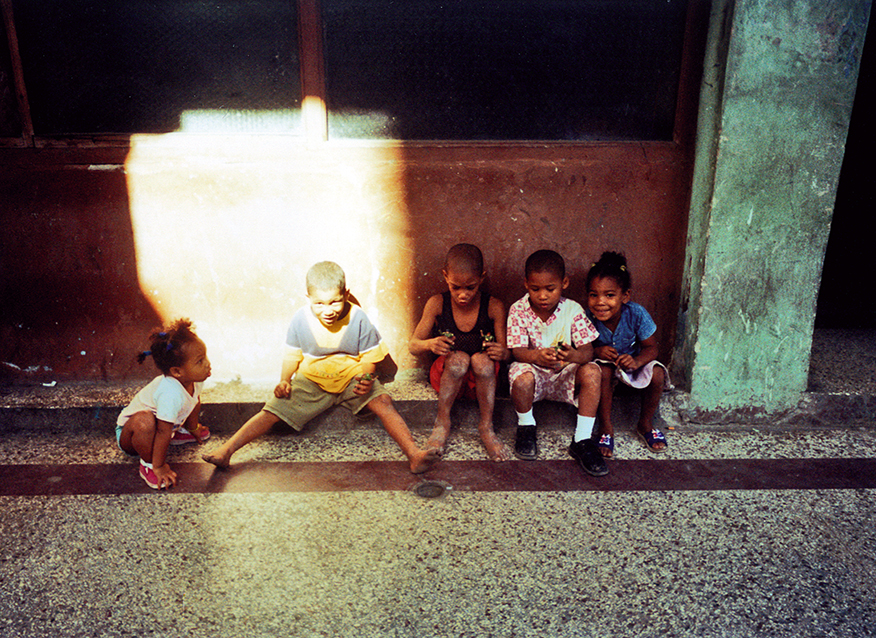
(626,349)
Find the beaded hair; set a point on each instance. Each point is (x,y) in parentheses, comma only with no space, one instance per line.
(167,343)
(546,261)
(612,265)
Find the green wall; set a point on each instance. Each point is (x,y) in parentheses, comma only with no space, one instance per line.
(778,89)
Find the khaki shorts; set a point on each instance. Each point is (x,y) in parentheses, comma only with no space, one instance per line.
(307,401)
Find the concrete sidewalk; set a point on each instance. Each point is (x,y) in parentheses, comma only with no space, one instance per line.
(738,530)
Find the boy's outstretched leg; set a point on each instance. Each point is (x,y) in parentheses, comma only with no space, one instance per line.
(419,460)
(484,370)
(455,366)
(255,427)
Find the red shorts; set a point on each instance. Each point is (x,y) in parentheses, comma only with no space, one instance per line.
(467,389)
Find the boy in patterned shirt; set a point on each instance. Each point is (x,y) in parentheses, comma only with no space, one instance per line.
(550,339)
(331,355)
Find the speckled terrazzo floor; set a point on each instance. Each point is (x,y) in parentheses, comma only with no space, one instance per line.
(480,561)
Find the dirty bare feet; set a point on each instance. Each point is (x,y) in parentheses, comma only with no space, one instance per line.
(496,450)
(439,435)
(422,460)
(217,458)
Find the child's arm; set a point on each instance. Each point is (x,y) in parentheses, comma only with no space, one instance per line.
(580,355)
(605,352)
(290,367)
(420,342)
(191,423)
(496,349)
(166,476)
(647,353)
(544,357)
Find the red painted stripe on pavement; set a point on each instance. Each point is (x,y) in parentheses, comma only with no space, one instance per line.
(463,476)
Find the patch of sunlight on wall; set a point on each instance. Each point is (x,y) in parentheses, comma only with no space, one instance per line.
(226,226)
(242,121)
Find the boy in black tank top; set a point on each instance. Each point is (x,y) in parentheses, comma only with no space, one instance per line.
(465,328)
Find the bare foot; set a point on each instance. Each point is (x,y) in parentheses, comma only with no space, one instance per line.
(422,460)
(439,436)
(496,450)
(219,460)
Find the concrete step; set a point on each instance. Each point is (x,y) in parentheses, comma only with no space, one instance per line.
(227,417)
(83,406)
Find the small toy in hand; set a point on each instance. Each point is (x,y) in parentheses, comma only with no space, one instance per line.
(486,338)
(367,377)
(449,335)
(559,345)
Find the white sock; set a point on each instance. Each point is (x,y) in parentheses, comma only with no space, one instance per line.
(584,427)
(145,464)
(525,418)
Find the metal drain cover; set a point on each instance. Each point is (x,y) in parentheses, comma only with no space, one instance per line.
(431,489)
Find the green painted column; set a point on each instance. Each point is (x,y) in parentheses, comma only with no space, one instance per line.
(778,89)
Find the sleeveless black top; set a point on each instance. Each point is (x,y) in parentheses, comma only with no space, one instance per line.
(469,342)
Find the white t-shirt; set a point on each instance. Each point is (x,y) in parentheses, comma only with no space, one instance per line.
(166,398)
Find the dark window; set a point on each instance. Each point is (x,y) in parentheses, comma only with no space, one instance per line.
(153,66)
(503,70)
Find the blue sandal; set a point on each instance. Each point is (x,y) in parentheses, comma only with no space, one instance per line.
(606,442)
(652,437)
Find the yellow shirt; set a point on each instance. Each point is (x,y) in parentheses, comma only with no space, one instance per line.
(332,358)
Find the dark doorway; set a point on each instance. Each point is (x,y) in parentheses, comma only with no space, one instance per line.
(845,299)
(843,356)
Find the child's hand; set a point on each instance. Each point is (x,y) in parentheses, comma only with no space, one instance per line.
(198,432)
(495,351)
(283,390)
(364,383)
(547,358)
(166,476)
(626,362)
(564,352)
(442,344)
(605,352)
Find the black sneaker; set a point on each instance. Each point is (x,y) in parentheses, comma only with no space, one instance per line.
(589,457)
(525,445)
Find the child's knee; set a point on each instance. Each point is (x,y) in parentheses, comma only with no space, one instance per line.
(483,366)
(141,422)
(380,404)
(456,364)
(658,377)
(524,384)
(590,374)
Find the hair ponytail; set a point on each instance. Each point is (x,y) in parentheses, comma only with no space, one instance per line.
(614,265)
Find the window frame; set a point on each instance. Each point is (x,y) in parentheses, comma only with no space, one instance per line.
(314,99)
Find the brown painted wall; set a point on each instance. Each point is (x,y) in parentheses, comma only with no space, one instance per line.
(99,245)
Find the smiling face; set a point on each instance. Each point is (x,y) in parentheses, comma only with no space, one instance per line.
(605,299)
(545,290)
(463,285)
(328,305)
(196,366)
